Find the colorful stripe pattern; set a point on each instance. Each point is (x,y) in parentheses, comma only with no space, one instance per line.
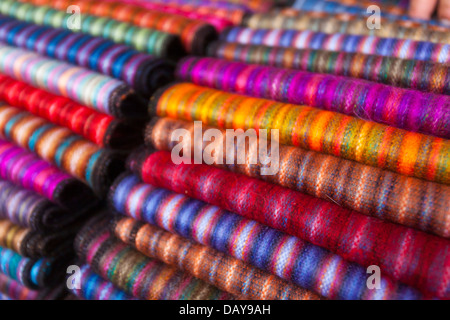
(82,120)
(219,22)
(30,273)
(407,109)
(343,24)
(407,255)
(377,145)
(84,160)
(154,42)
(15,290)
(27,209)
(405,200)
(136,274)
(413,74)
(13,237)
(142,72)
(27,170)
(225,272)
(391,47)
(194,34)
(93,287)
(94,90)
(32,244)
(290,258)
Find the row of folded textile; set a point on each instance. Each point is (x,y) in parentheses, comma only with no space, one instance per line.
(93,92)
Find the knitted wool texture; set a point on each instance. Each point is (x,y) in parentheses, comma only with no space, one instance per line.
(97,127)
(91,89)
(32,244)
(28,209)
(15,290)
(290,258)
(413,74)
(25,169)
(407,109)
(413,257)
(343,24)
(408,153)
(93,287)
(142,72)
(194,34)
(136,274)
(405,200)
(219,22)
(391,47)
(84,160)
(225,272)
(30,273)
(154,42)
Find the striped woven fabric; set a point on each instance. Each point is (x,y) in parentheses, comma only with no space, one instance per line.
(93,287)
(25,169)
(405,200)
(27,272)
(32,244)
(290,258)
(15,290)
(219,23)
(83,159)
(391,47)
(194,34)
(225,272)
(358,7)
(234,15)
(407,109)
(136,274)
(28,209)
(142,72)
(89,88)
(97,127)
(413,74)
(407,255)
(343,24)
(400,151)
(154,42)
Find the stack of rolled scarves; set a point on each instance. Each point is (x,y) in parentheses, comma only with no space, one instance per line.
(363,166)
(363,172)
(72,107)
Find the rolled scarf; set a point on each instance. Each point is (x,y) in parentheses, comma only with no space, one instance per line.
(405,200)
(97,127)
(28,209)
(32,244)
(288,257)
(391,47)
(15,290)
(93,287)
(95,166)
(219,22)
(102,93)
(30,273)
(136,274)
(140,71)
(413,74)
(388,10)
(406,109)
(332,23)
(407,153)
(154,42)
(407,255)
(25,169)
(195,35)
(225,272)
